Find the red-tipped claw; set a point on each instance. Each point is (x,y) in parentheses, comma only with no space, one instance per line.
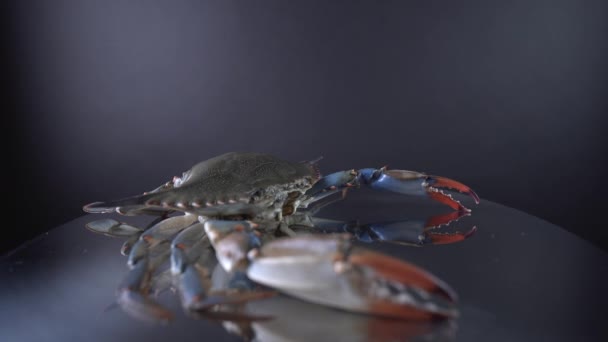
(416,183)
(436,183)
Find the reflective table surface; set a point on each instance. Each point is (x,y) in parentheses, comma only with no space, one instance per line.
(519,278)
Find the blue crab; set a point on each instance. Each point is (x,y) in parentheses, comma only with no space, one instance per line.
(252,214)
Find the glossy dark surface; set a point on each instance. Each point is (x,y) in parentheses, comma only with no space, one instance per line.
(519,279)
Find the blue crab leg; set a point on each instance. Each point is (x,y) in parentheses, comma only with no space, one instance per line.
(127,207)
(192,259)
(227,302)
(239,290)
(314,204)
(416,232)
(127,246)
(400,181)
(161,282)
(133,293)
(161,232)
(191,276)
(232,241)
(167,228)
(113,228)
(150,251)
(327,186)
(229,293)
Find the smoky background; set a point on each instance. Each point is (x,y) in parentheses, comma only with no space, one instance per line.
(113,98)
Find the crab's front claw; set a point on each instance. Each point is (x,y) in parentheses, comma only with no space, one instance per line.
(328,270)
(416,183)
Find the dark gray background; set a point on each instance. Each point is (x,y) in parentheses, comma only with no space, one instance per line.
(112,98)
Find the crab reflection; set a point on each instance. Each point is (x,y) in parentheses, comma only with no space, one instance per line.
(282,318)
(287,319)
(434,230)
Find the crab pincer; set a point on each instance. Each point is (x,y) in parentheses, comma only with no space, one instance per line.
(329,270)
(191,266)
(417,183)
(399,181)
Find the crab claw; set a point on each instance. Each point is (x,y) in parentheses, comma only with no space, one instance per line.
(328,270)
(416,183)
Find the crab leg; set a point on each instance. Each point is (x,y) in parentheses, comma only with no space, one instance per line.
(160,232)
(167,228)
(400,181)
(161,282)
(191,263)
(409,232)
(127,246)
(319,201)
(191,275)
(328,270)
(232,241)
(228,297)
(113,228)
(132,294)
(145,256)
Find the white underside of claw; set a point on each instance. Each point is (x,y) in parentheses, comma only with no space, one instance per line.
(302,272)
(311,278)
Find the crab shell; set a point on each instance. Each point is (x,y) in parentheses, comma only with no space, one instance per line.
(233,184)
